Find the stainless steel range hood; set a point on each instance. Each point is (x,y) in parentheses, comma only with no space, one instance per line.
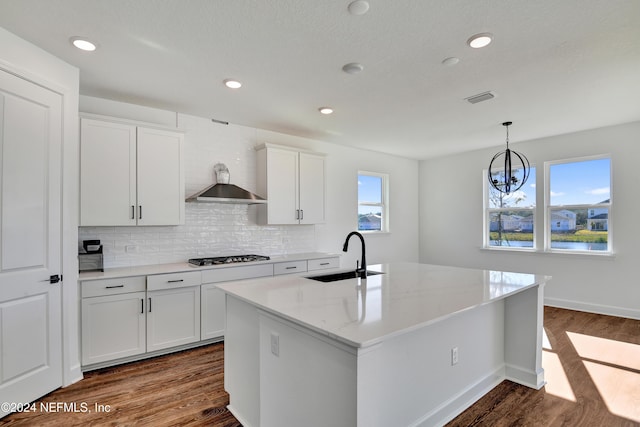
(223,192)
(226,193)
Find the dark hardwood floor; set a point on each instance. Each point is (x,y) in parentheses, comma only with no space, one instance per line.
(592,367)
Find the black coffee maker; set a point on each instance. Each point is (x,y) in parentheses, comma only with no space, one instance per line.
(91,259)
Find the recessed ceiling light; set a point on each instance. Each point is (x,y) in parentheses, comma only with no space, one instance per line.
(480,40)
(352,68)
(232,84)
(325,110)
(83,44)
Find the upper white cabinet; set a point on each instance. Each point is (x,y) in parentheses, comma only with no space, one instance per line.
(130,175)
(293,183)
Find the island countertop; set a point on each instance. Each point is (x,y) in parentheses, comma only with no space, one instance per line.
(361,313)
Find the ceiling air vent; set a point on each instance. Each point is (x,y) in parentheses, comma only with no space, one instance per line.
(485,96)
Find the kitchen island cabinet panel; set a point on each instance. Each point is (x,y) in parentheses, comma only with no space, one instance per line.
(173,317)
(113,326)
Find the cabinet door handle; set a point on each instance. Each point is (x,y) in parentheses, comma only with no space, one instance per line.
(149,304)
(290,268)
(114,286)
(140,212)
(175,281)
(297,213)
(324,263)
(141,305)
(133,212)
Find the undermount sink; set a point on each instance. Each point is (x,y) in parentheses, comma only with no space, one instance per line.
(341,276)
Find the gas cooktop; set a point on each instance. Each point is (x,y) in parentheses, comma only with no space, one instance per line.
(226,259)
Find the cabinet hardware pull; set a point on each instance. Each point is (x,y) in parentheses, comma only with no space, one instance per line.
(140,212)
(141,305)
(114,286)
(324,263)
(175,281)
(290,268)
(149,305)
(297,213)
(133,212)
(301,214)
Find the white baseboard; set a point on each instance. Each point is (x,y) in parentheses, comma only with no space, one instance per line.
(463,400)
(593,308)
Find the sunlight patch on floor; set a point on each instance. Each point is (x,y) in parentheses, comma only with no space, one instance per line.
(613,352)
(614,368)
(546,344)
(619,389)
(557,381)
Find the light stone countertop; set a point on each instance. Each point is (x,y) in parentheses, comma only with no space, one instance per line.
(146,270)
(408,296)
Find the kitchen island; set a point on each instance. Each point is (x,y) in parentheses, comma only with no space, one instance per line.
(413,346)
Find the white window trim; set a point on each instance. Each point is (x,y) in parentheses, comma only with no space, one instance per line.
(384,205)
(543,234)
(487,214)
(548,207)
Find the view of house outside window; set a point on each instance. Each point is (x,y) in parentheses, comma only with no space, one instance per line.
(511,217)
(372,205)
(576,212)
(579,194)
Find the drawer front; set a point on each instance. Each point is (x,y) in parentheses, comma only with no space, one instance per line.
(289,267)
(174,280)
(123,285)
(216,275)
(323,263)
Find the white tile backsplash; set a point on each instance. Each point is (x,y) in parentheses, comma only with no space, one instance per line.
(210,229)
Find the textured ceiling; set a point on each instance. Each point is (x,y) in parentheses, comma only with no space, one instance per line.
(556,66)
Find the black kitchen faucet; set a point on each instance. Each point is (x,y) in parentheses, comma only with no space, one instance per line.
(362,269)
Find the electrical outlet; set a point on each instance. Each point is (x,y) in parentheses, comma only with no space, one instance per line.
(131,249)
(454,356)
(275,344)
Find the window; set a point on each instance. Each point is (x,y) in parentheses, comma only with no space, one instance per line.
(373,210)
(576,215)
(510,218)
(578,205)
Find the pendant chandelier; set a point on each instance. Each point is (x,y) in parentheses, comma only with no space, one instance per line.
(511,169)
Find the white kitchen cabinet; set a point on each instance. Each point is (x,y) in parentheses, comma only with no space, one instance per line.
(130,175)
(173,317)
(212,312)
(113,319)
(293,182)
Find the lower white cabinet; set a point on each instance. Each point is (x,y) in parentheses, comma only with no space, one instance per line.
(124,318)
(212,311)
(120,319)
(173,317)
(113,326)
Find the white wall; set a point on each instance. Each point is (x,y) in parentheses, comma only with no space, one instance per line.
(215,229)
(30,62)
(451,221)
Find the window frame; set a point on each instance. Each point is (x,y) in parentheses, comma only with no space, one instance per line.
(548,207)
(383,205)
(488,210)
(542,234)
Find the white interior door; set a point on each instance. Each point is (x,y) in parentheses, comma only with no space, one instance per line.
(30,240)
